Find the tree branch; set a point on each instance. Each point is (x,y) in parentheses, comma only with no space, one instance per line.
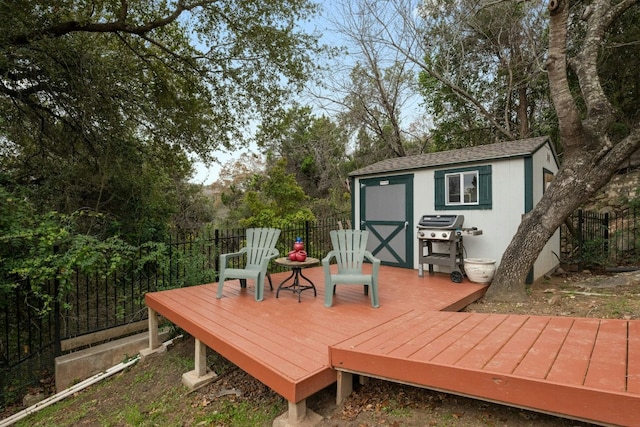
(599,109)
(119,25)
(566,108)
(388,38)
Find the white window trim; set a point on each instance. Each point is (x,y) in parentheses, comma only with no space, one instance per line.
(461,176)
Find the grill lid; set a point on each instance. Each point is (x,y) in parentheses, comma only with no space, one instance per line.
(441,221)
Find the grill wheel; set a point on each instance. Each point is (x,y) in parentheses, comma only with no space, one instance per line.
(456,277)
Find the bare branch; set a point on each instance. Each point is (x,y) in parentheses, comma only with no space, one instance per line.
(390,39)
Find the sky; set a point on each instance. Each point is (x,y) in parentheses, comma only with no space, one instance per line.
(206,174)
(330,36)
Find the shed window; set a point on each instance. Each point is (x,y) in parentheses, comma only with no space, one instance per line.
(547,179)
(464,188)
(461,188)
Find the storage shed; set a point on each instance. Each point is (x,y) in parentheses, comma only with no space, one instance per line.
(491,186)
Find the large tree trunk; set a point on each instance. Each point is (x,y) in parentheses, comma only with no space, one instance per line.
(590,157)
(569,189)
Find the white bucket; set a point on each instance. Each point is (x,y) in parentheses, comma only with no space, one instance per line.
(480,270)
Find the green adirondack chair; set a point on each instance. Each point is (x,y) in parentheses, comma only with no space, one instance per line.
(260,249)
(349,250)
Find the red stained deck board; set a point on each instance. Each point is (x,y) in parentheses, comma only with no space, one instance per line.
(511,354)
(540,357)
(467,343)
(633,370)
(427,332)
(608,365)
(485,350)
(386,337)
(571,365)
(436,346)
(284,322)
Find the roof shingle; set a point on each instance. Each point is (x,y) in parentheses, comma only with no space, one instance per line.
(499,150)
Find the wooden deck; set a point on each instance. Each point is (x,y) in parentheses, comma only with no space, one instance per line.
(586,369)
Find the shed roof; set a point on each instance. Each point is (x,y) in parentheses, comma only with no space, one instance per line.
(499,150)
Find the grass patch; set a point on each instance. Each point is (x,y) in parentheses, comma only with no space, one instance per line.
(241,414)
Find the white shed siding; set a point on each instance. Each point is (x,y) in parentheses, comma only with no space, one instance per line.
(548,258)
(498,224)
(509,201)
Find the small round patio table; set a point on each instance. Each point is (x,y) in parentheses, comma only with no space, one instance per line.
(296,273)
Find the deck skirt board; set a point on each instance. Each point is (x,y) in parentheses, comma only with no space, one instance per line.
(587,369)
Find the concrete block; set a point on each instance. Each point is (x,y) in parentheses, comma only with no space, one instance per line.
(298,416)
(192,380)
(78,366)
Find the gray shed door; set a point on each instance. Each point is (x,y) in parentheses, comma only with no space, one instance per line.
(386,210)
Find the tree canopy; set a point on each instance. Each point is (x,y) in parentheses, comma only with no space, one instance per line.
(103,106)
(505,70)
(597,131)
(103,103)
(482,75)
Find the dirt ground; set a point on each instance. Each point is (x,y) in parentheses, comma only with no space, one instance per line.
(150,393)
(607,296)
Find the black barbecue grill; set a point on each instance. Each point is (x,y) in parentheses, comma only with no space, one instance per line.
(440,227)
(440,243)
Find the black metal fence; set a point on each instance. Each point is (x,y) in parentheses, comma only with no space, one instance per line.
(30,341)
(601,240)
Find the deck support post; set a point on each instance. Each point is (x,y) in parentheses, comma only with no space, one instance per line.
(200,373)
(297,411)
(297,416)
(154,342)
(200,366)
(344,386)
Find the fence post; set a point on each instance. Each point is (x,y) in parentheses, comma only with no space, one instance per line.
(307,224)
(216,251)
(171,259)
(635,230)
(580,238)
(605,224)
(57,339)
